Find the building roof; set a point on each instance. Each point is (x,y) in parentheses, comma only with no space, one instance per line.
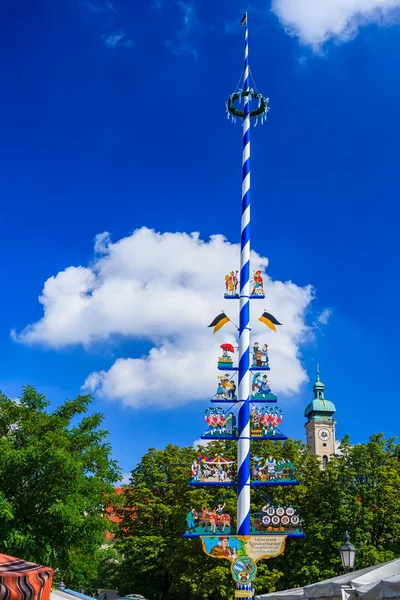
(320,406)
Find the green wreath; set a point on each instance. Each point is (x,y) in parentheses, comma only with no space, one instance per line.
(262,108)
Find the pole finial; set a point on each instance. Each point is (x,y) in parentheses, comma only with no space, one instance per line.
(318,372)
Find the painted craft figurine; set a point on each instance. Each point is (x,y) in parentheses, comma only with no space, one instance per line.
(226,361)
(265,421)
(216,470)
(257,284)
(226,389)
(260,356)
(231,285)
(260,388)
(209,520)
(220,425)
(277,520)
(270,470)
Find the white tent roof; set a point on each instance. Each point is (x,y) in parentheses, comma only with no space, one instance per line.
(294,594)
(379,582)
(387,588)
(332,588)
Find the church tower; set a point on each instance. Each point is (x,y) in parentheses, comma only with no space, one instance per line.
(320,426)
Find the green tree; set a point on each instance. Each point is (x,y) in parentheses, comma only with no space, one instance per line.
(108,568)
(56,476)
(358,491)
(157,562)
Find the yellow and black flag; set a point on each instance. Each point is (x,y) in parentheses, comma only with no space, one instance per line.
(269,320)
(244,20)
(219,322)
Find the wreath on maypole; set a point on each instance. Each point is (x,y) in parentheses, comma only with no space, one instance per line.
(259,113)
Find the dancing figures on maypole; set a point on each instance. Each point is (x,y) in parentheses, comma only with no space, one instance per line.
(243,453)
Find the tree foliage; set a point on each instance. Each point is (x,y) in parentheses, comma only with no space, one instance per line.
(56,476)
(358,491)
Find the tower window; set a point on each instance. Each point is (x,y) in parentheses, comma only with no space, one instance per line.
(324,461)
(324,445)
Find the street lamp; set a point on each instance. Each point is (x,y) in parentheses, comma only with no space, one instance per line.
(62,585)
(347,553)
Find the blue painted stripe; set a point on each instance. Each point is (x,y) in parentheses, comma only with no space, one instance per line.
(245,273)
(244,471)
(245,171)
(244,318)
(245,237)
(245,200)
(244,529)
(244,363)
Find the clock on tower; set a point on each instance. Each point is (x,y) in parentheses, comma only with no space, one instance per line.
(320,426)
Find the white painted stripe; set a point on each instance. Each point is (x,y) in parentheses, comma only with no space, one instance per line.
(245,218)
(245,256)
(243,451)
(243,504)
(246,153)
(247,345)
(246,184)
(242,382)
(246,430)
(245,288)
(243,501)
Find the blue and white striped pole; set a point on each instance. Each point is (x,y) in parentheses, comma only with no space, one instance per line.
(243,506)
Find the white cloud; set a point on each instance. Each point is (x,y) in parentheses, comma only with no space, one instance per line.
(166,288)
(99,6)
(125,479)
(317,21)
(200,442)
(182,42)
(117,39)
(324,316)
(337,447)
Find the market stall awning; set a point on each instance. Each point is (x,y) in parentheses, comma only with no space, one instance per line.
(293,594)
(22,580)
(379,582)
(332,588)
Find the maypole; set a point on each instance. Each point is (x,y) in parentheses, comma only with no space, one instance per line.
(243,504)
(261,534)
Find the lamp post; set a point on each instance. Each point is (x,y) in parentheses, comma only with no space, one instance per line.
(62,585)
(347,553)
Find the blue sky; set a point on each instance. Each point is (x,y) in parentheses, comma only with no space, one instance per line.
(113,119)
